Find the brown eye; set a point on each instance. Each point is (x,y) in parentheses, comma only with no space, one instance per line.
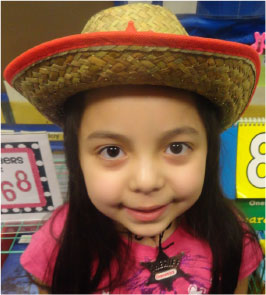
(111,152)
(177,148)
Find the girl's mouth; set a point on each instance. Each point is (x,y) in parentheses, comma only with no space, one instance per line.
(146,214)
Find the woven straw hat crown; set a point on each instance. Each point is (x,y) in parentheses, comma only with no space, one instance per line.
(146,17)
(136,44)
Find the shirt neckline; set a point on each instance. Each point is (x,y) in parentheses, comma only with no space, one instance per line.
(142,250)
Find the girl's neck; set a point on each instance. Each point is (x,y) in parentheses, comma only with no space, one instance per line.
(154,241)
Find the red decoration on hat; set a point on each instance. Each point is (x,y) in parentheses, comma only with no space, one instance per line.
(131,27)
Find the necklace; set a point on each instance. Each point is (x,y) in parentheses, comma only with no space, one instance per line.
(139,238)
(165,270)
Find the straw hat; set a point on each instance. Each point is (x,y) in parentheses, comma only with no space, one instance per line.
(136,44)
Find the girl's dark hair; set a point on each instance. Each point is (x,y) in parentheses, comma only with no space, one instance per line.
(214,218)
(90,236)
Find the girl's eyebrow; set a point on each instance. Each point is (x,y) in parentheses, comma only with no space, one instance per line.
(108,134)
(185,130)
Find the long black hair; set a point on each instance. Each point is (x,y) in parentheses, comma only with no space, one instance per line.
(214,218)
(90,237)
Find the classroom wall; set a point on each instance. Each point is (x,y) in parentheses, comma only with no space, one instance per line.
(54,19)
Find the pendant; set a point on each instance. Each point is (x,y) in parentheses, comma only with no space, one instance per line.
(165,270)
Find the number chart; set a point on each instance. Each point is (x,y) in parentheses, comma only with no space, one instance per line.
(20,166)
(29,187)
(250,174)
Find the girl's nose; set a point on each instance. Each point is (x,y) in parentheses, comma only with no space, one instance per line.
(146,177)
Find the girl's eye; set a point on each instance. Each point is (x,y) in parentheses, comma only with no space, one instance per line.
(111,152)
(177,148)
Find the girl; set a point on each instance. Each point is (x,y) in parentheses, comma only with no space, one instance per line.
(142,105)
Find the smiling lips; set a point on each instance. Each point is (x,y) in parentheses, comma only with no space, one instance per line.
(146,214)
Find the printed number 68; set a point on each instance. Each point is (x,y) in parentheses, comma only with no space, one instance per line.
(258,158)
(22,184)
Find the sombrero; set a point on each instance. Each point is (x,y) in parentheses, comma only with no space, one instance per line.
(136,44)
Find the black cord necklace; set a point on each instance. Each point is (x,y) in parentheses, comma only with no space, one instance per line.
(139,238)
(165,270)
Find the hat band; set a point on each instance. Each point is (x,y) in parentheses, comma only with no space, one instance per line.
(116,39)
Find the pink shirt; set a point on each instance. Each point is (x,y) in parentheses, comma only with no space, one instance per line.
(191,275)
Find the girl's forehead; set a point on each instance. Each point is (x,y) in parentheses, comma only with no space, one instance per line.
(137,90)
(139,107)
(138,95)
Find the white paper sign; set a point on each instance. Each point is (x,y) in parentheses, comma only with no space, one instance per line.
(29,186)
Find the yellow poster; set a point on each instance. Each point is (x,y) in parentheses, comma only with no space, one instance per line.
(23,111)
(2,117)
(250,162)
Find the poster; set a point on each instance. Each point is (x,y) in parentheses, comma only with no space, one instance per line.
(29,186)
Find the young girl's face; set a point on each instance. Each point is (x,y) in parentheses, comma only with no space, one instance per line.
(142,152)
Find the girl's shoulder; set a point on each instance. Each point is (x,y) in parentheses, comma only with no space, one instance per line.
(57,221)
(40,255)
(53,226)
(252,253)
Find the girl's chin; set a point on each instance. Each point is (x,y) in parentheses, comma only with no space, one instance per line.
(147,230)
(141,230)
(147,234)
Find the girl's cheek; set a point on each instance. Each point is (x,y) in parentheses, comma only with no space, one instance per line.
(188,181)
(104,187)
